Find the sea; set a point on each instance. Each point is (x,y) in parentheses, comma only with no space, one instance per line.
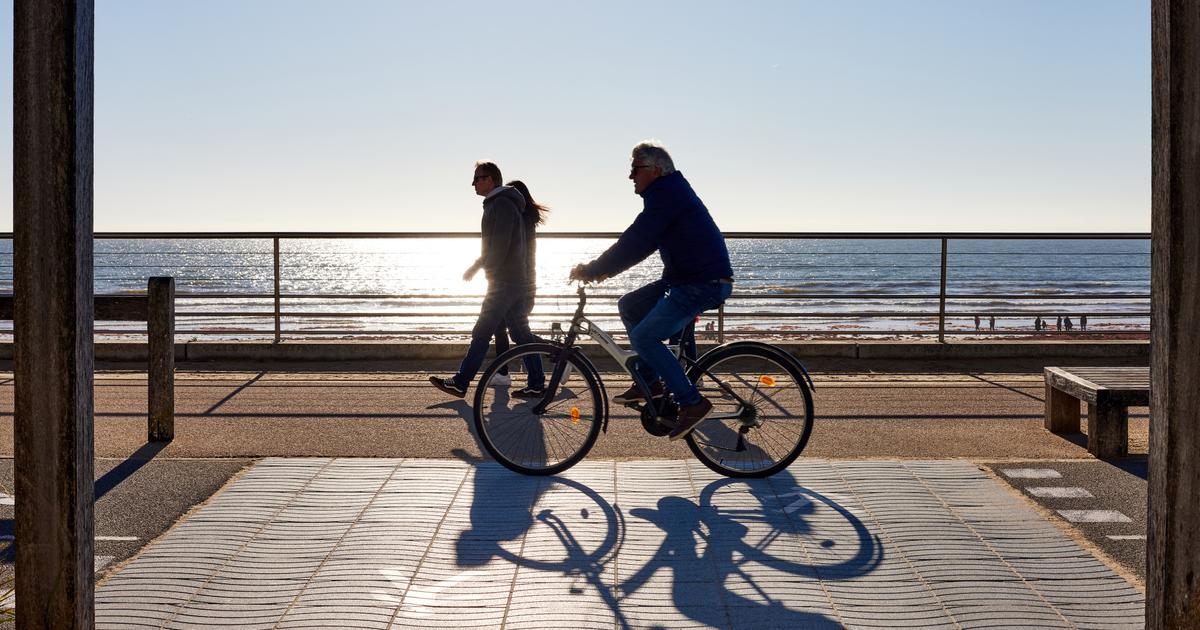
(413,287)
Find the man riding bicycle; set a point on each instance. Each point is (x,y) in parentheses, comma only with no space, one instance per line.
(697,276)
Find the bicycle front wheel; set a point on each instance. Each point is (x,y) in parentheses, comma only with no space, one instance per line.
(762,412)
(543,443)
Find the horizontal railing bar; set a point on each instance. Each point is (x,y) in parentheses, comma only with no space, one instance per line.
(747,296)
(710,314)
(547,234)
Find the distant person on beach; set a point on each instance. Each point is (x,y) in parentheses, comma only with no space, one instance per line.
(1083,322)
(533,216)
(992,323)
(1067,322)
(976,323)
(697,276)
(1058,326)
(505,262)
(1037,323)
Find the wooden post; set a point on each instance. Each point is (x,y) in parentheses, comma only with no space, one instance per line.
(1062,411)
(1108,428)
(160,361)
(52,318)
(1172,547)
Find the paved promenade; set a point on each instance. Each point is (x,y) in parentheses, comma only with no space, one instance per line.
(412,543)
(930,496)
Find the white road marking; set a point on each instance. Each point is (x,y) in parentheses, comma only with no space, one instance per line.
(1129,537)
(118,538)
(799,503)
(7,499)
(1031,473)
(1060,492)
(1094,516)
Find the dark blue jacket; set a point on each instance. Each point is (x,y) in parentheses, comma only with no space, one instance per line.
(675,222)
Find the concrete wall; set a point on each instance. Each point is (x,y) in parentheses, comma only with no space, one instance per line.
(390,351)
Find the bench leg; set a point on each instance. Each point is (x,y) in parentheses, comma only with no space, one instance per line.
(1108,431)
(1062,411)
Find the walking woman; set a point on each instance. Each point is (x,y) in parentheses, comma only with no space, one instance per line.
(533,216)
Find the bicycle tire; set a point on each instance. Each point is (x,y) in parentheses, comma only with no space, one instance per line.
(539,445)
(749,367)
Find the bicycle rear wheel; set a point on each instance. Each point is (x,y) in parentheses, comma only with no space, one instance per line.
(762,412)
(531,443)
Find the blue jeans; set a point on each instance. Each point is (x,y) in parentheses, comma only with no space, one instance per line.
(510,303)
(656,312)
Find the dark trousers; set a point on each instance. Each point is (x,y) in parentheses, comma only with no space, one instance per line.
(511,304)
(655,313)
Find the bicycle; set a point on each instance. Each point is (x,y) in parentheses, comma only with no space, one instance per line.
(761,419)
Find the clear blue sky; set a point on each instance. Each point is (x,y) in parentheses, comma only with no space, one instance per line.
(957,115)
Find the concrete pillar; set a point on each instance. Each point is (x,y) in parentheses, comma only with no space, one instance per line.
(52,319)
(1173,549)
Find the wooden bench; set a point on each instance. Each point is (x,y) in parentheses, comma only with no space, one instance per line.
(1109,393)
(157,309)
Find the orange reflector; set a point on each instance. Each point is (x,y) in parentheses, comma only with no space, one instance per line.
(575,415)
(767,380)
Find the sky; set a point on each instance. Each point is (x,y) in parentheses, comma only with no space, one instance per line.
(789,116)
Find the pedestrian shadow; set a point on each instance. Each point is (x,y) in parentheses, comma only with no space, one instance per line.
(467,414)
(739,548)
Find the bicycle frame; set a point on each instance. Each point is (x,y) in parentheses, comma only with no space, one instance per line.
(580,324)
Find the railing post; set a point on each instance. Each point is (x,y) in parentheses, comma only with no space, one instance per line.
(721,323)
(277,310)
(942,298)
(160,333)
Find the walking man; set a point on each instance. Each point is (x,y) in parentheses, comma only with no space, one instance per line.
(503,259)
(697,276)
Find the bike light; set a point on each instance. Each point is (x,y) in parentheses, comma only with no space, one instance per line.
(767,380)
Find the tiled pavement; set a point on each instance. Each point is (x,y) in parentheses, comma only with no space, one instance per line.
(370,543)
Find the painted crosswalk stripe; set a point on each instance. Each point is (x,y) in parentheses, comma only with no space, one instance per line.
(1128,537)
(7,499)
(1054,492)
(1031,473)
(1094,516)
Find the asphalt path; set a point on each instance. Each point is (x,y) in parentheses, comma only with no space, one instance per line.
(1104,501)
(138,498)
(396,413)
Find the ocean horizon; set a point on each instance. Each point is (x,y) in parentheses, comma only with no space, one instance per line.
(413,287)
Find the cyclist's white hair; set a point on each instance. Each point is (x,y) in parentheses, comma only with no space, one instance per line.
(653,153)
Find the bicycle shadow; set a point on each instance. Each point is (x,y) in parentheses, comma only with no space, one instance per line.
(723,557)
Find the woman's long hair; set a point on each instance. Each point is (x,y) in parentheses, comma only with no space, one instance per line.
(535,213)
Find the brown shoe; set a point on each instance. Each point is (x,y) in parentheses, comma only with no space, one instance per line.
(689,417)
(634,394)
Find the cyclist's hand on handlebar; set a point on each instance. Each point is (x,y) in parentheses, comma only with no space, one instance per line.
(578,273)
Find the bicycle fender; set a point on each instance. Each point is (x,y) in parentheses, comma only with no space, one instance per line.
(776,350)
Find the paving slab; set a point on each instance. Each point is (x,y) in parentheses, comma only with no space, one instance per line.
(306,543)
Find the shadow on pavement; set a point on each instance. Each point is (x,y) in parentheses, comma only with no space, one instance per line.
(125,469)
(729,550)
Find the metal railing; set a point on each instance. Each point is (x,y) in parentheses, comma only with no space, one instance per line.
(285,285)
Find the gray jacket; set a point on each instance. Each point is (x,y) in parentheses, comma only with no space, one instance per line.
(503,255)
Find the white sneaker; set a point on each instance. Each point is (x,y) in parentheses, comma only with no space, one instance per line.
(502,379)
